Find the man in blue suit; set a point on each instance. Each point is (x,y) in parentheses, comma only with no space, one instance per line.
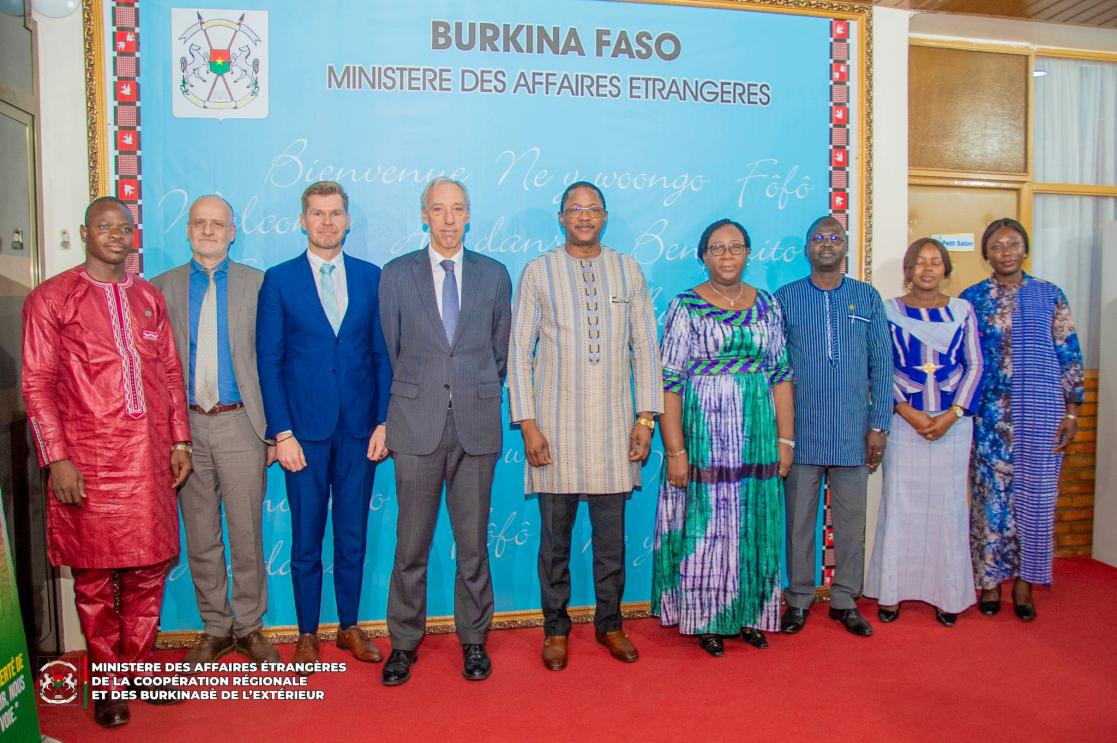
(325,378)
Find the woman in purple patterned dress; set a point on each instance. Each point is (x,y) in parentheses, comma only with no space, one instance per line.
(727,431)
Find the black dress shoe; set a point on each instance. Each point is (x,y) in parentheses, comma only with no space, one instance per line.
(712,644)
(989,608)
(852,620)
(398,668)
(946,618)
(888,615)
(793,620)
(1025,612)
(110,713)
(754,637)
(478,667)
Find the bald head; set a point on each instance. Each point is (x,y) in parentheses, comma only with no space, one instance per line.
(210,229)
(829,223)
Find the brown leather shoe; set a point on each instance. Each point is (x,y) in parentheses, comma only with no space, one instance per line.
(257,648)
(306,651)
(620,647)
(356,641)
(208,649)
(554,652)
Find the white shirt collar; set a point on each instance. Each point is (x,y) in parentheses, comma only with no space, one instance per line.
(316,261)
(436,258)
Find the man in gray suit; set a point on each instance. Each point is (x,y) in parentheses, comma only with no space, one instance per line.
(212,305)
(448,360)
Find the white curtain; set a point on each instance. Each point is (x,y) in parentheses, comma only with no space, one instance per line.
(1076,122)
(1066,249)
(1075,142)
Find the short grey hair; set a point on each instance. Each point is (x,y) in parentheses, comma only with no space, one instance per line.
(222,199)
(438,182)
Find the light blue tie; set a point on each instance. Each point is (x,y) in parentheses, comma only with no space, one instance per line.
(450,308)
(329,295)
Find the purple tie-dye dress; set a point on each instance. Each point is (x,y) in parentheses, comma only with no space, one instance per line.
(716,558)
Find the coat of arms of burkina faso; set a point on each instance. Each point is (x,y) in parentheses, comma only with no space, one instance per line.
(220,69)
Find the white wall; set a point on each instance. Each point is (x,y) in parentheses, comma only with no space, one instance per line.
(890,178)
(64,182)
(64,185)
(1105,491)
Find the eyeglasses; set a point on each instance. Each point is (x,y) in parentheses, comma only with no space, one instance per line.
(833,237)
(589,211)
(719,249)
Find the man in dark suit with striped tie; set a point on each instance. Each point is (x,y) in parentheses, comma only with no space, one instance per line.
(446,314)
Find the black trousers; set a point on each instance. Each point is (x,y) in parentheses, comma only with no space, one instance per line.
(558,511)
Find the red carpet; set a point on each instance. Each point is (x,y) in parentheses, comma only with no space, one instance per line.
(987,679)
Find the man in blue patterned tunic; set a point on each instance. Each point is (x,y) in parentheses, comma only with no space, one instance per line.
(837,340)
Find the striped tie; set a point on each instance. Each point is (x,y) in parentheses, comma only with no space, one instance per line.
(329,295)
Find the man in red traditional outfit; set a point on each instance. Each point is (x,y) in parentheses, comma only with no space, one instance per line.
(104,395)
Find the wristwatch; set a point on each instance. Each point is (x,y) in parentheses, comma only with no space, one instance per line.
(881,431)
(648,422)
(958,412)
(183,446)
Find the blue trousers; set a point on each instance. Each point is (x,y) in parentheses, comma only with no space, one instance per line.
(337,467)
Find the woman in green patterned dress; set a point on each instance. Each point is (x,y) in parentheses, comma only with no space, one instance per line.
(728,438)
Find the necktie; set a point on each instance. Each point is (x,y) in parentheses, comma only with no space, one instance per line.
(206,394)
(450,307)
(329,295)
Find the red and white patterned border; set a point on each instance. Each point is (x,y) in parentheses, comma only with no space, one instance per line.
(839,209)
(839,121)
(125,126)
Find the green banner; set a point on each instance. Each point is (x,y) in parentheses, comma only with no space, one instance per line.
(19,718)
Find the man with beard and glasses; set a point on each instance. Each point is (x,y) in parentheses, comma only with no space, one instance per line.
(211,300)
(325,377)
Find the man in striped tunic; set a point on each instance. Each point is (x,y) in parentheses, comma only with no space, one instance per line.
(837,340)
(583,340)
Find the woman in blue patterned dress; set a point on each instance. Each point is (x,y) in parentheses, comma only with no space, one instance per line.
(1026,419)
(922,546)
(727,434)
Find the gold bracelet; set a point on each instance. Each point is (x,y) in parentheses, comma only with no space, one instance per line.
(647,422)
(676,453)
(183,446)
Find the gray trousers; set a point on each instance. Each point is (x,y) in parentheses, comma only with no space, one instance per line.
(557,513)
(848,494)
(229,474)
(419,481)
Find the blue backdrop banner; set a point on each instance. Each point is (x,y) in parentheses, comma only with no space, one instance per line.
(681,114)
